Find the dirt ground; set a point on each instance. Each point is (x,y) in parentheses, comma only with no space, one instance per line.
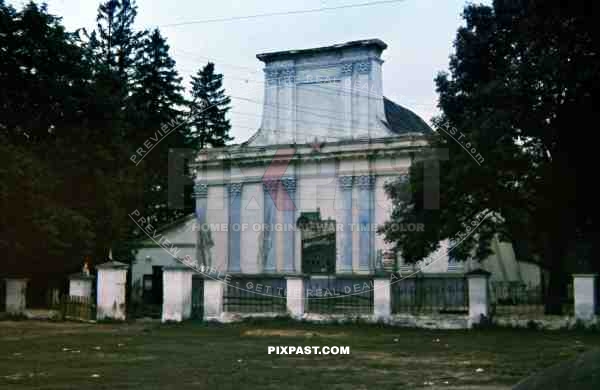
(55,355)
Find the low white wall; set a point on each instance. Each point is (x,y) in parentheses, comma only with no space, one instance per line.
(16,292)
(81,287)
(546,322)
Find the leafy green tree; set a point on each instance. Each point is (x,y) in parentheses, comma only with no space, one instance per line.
(524,76)
(39,98)
(209,106)
(42,105)
(158,103)
(69,187)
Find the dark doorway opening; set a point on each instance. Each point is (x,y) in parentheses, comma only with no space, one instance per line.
(318,244)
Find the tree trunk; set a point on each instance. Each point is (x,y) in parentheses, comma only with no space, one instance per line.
(561,230)
(556,291)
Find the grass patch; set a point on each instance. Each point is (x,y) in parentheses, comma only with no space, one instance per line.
(47,355)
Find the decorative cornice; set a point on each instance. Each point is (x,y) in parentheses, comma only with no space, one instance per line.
(271,76)
(346,182)
(363,67)
(400,146)
(346,69)
(366,182)
(289,183)
(280,76)
(287,72)
(235,188)
(200,190)
(270,185)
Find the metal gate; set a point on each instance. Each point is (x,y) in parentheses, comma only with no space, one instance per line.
(339,295)
(318,244)
(197,297)
(2,296)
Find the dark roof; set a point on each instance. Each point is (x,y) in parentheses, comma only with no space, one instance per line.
(402,120)
(169,225)
(80,276)
(265,57)
(112,264)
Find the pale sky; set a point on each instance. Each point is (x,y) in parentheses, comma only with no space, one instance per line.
(419,34)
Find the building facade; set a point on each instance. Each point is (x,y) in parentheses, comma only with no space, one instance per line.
(306,193)
(328,143)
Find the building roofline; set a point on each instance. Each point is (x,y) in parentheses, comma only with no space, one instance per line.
(270,56)
(164,228)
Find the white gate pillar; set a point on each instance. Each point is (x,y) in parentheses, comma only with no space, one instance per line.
(16,295)
(213,299)
(177,293)
(479,299)
(382,298)
(295,299)
(584,294)
(110,300)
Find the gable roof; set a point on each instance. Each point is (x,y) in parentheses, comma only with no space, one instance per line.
(164,229)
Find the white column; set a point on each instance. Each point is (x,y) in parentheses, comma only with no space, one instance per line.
(213,299)
(295,296)
(345,247)
(382,298)
(110,300)
(80,285)
(383,210)
(16,293)
(177,293)
(218,213)
(479,302)
(584,294)
(252,237)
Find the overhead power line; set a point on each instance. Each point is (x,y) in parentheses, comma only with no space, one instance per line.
(282,13)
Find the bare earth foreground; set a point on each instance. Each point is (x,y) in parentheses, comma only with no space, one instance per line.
(46,355)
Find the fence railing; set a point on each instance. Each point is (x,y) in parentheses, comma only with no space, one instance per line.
(339,295)
(77,308)
(430,295)
(597,287)
(197,297)
(520,299)
(2,296)
(255,295)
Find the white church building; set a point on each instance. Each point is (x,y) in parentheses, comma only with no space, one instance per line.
(305,194)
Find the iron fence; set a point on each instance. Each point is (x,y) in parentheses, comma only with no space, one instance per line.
(520,299)
(430,295)
(597,287)
(333,295)
(77,308)
(255,295)
(2,295)
(197,298)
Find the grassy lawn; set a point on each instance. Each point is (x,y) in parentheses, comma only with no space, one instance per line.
(46,355)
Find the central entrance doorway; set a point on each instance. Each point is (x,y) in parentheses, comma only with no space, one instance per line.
(318,244)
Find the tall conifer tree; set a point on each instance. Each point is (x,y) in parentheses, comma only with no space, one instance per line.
(209,125)
(158,104)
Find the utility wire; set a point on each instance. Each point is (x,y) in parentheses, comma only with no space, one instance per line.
(327,89)
(282,13)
